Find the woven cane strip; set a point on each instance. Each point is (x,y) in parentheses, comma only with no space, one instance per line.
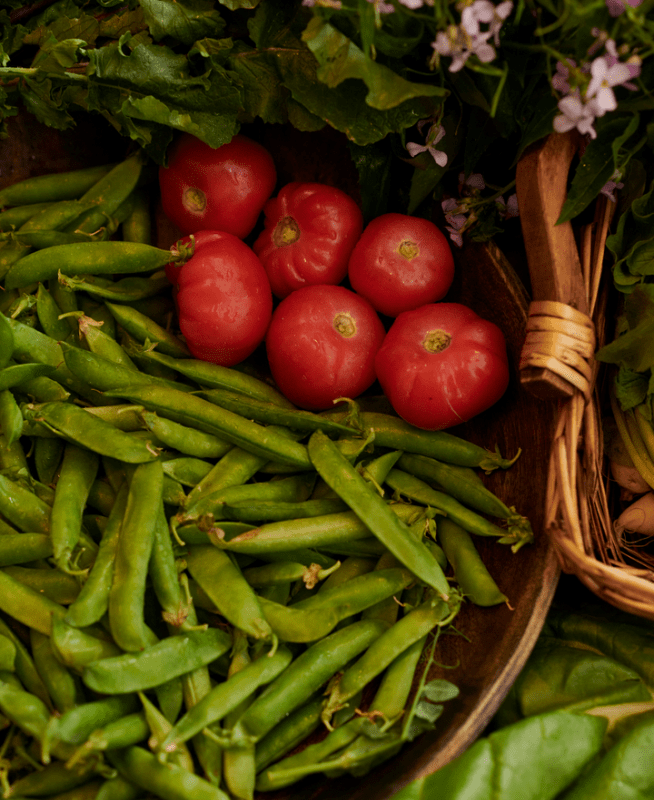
(560,339)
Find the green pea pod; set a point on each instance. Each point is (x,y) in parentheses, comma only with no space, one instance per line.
(416,489)
(215,376)
(226,696)
(91,432)
(133,552)
(25,668)
(138,226)
(397,434)
(152,666)
(364,500)
(317,616)
(18,374)
(22,508)
(77,724)
(52,188)
(165,780)
(287,734)
(79,467)
(269,413)
(11,418)
(470,572)
(224,583)
(143,329)
(273,510)
(413,627)
(93,599)
(13,218)
(21,548)
(109,193)
(303,677)
(463,484)
(125,290)
(48,313)
(196,412)
(92,258)
(118,788)
(6,341)
(28,605)
(189,441)
(104,375)
(77,648)
(40,240)
(189,471)
(101,343)
(51,583)
(7,654)
(63,686)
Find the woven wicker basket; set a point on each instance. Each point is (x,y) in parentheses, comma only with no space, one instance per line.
(563,332)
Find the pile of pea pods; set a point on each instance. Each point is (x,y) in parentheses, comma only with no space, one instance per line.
(195,576)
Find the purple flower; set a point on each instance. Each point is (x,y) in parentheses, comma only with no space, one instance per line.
(434,135)
(510,208)
(611,185)
(325,3)
(575,114)
(457,43)
(616,7)
(381,7)
(561,80)
(455,222)
(604,78)
(412,4)
(474,181)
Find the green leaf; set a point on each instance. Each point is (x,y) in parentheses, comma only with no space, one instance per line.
(633,347)
(340,59)
(429,712)
(182,20)
(516,761)
(558,675)
(599,162)
(234,5)
(631,388)
(264,95)
(373,164)
(539,125)
(625,772)
(152,86)
(439,690)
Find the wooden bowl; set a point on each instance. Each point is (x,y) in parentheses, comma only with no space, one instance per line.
(493,643)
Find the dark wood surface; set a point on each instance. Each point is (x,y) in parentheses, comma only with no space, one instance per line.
(496,642)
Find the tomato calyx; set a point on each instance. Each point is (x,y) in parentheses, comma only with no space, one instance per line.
(436,341)
(345,325)
(286,232)
(408,249)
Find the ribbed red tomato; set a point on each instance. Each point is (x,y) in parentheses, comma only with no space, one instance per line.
(223,299)
(310,231)
(321,345)
(401,262)
(442,364)
(221,189)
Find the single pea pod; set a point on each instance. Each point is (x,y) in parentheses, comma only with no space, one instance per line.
(125,290)
(86,258)
(14,217)
(367,504)
(272,414)
(52,188)
(11,418)
(75,425)
(470,572)
(154,665)
(393,432)
(143,329)
(6,341)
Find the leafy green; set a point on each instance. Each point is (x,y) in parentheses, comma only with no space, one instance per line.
(184,20)
(533,759)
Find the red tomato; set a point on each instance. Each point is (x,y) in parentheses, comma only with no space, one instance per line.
(223,299)
(401,262)
(310,231)
(220,189)
(321,345)
(442,364)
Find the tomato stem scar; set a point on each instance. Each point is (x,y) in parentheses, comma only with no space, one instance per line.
(408,249)
(286,232)
(194,199)
(345,325)
(436,341)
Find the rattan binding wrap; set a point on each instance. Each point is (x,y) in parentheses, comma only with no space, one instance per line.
(577,517)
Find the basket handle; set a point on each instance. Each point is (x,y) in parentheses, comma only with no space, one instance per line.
(560,336)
